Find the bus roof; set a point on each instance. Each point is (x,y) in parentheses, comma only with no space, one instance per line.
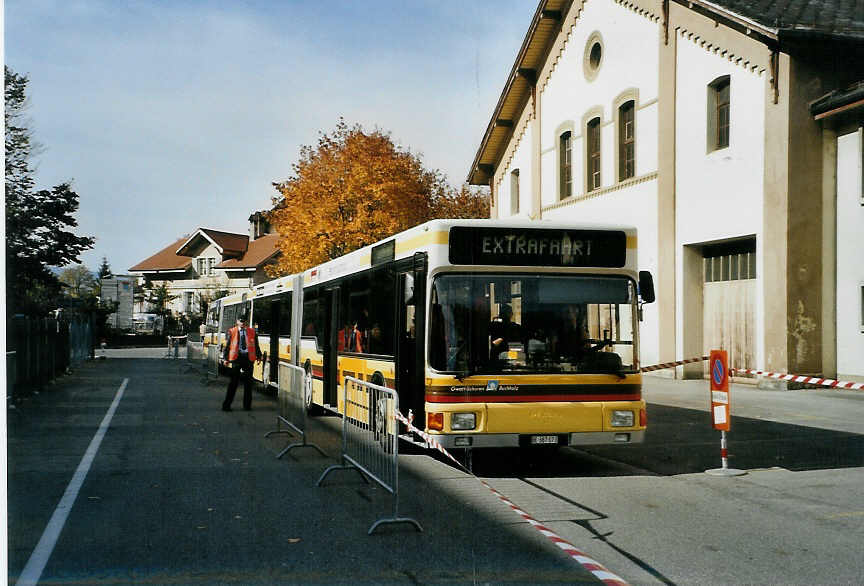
(436,233)
(430,236)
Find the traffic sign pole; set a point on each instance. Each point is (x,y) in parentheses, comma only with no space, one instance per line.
(720,409)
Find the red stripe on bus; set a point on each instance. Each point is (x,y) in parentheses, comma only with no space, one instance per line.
(570,398)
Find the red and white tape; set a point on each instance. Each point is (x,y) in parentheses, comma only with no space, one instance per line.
(672,364)
(811,380)
(593,566)
(798,378)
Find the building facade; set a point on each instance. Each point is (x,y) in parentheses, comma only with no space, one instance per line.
(208,264)
(119,289)
(692,121)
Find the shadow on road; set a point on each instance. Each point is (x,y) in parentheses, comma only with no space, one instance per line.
(682,441)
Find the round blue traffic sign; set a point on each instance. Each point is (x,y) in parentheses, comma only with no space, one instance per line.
(717,371)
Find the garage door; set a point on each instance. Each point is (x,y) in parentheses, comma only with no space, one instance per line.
(729,301)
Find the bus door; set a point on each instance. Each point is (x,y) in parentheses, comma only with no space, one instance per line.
(330,308)
(411,319)
(273,351)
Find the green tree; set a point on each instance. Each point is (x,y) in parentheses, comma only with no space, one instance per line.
(79,280)
(104,270)
(38,223)
(159,297)
(99,310)
(205,298)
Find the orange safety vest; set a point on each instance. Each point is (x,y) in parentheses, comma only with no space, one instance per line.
(234,344)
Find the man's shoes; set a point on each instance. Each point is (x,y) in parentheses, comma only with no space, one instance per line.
(224,408)
(247,408)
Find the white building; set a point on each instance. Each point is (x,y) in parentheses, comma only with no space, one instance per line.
(841,114)
(208,264)
(692,121)
(119,289)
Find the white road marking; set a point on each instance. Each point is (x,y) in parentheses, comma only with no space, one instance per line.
(39,558)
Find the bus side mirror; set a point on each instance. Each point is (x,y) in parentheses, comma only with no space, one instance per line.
(646,287)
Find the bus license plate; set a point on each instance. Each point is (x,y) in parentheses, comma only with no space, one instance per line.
(544,439)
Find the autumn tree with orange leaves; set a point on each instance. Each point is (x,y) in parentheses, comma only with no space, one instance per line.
(356,188)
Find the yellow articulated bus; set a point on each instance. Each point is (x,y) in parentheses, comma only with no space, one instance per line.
(493,333)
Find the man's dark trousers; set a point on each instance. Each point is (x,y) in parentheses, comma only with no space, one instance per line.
(244,365)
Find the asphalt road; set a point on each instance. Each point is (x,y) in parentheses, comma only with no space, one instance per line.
(182,493)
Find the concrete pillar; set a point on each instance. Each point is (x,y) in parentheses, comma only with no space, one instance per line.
(666,244)
(771,252)
(829,253)
(692,313)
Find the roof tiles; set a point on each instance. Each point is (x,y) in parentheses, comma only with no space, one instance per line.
(259,251)
(166,259)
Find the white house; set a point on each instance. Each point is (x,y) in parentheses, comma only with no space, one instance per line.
(692,121)
(207,263)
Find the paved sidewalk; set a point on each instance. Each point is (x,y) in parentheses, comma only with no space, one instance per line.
(825,408)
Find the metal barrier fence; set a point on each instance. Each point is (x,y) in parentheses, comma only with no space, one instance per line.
(80,341)
(295,387)
(370,440)
(43,349)
(174,346)
(212,361)
(11,374)
(195,353)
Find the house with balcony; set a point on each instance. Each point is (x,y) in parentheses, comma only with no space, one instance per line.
(208,264)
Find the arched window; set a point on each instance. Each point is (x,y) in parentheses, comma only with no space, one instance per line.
(627,140)
(565,166)
(593,166)
(718,113)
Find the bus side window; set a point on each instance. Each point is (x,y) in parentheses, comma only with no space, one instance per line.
(229,317)
(285,315)
(310,317)
(382,301)
(261,317)
(410,310)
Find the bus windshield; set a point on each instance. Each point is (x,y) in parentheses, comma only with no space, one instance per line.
(513,323)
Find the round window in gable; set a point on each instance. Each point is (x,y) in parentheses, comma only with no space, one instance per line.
(593,56)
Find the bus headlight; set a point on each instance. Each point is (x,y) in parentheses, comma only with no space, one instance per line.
(622,419)
(463,421)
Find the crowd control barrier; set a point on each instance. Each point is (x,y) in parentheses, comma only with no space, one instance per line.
(294,384)
(195,352)
(174,346)
(212,361)
(370,440)
(196,358)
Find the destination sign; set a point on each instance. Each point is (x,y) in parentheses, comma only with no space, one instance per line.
(537,247)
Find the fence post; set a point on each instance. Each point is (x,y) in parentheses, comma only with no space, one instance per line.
(212,364)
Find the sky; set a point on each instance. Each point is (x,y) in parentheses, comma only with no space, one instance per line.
(168,116)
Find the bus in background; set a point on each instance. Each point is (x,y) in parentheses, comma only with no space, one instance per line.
(271,318)
(222,315)
(493,333)
(211,322)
